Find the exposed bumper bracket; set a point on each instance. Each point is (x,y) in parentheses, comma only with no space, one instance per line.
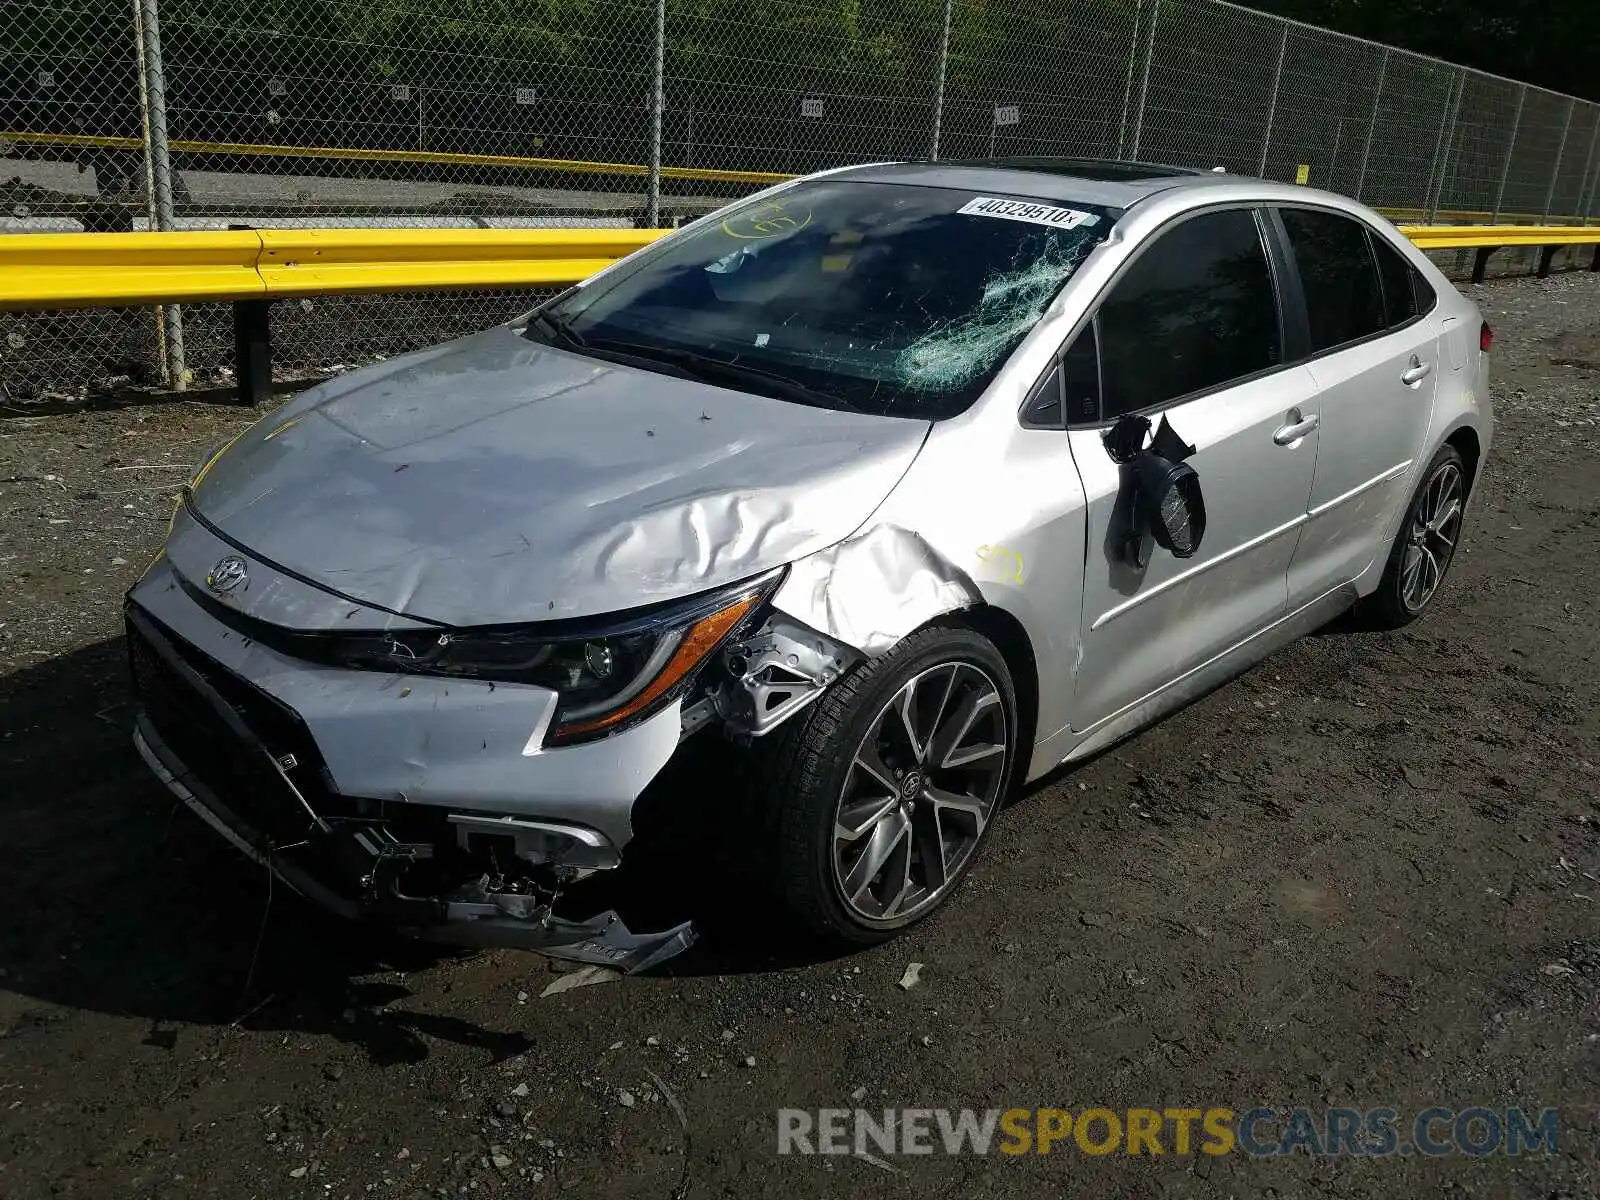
(370,857)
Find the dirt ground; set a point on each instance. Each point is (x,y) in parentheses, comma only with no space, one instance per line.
(1367,873)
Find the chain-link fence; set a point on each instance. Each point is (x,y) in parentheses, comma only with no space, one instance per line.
(184,114)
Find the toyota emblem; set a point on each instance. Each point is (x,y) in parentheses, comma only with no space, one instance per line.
(228,574)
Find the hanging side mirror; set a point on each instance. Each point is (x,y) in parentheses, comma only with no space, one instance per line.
(1164,501)
(1168,503)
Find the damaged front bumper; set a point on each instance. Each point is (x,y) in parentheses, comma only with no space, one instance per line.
(463,878)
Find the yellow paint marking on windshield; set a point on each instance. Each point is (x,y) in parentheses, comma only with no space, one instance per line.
(836,262)
(766,220)
(847,237)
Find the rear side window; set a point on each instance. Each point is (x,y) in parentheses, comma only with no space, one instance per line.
(1195,310)
(1403,285)
(1343,298)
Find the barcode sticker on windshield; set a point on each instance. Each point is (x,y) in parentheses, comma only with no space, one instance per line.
(1024,210)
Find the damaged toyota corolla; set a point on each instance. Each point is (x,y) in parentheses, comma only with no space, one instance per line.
(913,481)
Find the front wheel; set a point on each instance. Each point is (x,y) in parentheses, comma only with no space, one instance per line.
(886,789)
(1425,546)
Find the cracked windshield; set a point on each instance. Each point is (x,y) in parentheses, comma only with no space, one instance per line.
(880,297)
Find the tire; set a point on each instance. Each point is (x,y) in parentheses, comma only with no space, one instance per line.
(928,824)
(1424,546)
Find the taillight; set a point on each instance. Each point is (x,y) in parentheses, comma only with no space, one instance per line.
(1485,337)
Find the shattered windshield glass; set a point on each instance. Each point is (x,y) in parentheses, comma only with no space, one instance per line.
(873,296)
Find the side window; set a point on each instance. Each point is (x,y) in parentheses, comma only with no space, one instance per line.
(1423,290)
(1080,379)
(1074,381)
(1043,410)
(1195,310)
(1338,275)
(1400,281)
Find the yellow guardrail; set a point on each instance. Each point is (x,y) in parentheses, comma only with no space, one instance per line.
(1471,237)
(254,266)
(432,157)
(72,270)
(76,270)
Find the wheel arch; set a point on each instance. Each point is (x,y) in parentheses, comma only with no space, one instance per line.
(1467,444)
(1011,638)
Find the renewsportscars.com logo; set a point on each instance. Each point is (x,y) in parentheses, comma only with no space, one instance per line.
(1257,1132)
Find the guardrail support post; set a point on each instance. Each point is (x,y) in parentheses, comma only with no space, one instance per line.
(154,95)
(1480,262)
(938,87)
(1546,254)
(252,350)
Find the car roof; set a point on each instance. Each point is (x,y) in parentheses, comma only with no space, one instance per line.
(1107,182)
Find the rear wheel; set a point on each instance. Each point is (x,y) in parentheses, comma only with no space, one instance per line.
(886,789)
(1425,545)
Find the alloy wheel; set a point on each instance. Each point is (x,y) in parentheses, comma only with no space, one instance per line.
(1435,529)
(921,788)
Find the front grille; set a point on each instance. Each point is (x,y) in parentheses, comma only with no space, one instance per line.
(235,765)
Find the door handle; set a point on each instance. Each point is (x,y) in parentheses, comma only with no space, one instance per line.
(1416,372)
(1289,435)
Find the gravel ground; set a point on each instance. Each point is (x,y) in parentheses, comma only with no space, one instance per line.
(1366,873)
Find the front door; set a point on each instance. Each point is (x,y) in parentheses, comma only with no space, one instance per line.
(1191,332)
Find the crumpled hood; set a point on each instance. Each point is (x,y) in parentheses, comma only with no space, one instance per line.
(495,479)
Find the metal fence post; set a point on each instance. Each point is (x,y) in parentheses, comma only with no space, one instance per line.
(160,311)
(1511,146)
(1272,107)
(1144,82)
(154,94)
(1591,187)
(938,93)
(1582,213)
(1127,82)
(1372,124)
(658,101)
(1441,151)
(1555,171)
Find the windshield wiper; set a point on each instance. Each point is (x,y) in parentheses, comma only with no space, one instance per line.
(710,369)
(558,328)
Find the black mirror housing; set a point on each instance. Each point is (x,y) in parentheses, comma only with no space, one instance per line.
(1169,503)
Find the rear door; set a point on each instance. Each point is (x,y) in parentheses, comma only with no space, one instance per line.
(1375,358)
(1191,330)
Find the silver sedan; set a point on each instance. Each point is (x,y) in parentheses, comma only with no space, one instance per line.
(907,483)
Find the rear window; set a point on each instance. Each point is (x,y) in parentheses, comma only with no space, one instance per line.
(1403,285)
(882,297)
(1343,298)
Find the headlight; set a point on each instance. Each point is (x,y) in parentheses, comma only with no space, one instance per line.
(609,676)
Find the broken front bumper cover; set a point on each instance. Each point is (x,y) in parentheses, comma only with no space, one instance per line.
(355,866)
(469,917)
